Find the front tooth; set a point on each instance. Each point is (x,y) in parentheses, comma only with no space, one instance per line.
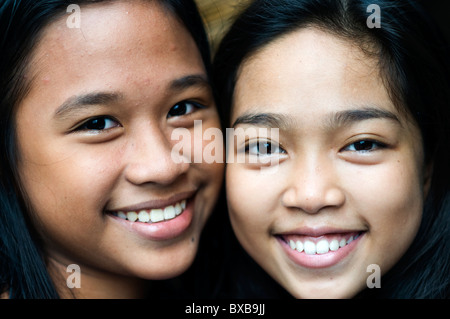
(156,215)
(334,245)
(178,209)
(299,246)
(132,216)
(169,212)
(342,243)
(143,216)
(322,247)
(309,247)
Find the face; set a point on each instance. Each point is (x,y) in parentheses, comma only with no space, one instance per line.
(95,142)
(347,188)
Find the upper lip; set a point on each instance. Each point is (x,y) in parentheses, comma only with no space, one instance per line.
(318,231)
(155,203)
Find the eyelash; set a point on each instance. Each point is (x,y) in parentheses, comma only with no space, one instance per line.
(259,142)
(353,147)
(375,146)
(188,105)
(194,105)
(95,121)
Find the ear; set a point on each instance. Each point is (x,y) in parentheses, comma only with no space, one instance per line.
(428,173)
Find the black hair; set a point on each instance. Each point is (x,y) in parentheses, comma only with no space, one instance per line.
(23,271)
(413,60)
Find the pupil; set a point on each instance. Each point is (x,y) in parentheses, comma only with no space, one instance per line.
(96,124)
(265,148)
(363,145)
(177,110)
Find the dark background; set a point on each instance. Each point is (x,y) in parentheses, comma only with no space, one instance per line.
(440,10)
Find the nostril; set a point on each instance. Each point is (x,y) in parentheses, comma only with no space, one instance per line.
(312,199)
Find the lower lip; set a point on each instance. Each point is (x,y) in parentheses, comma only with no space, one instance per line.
(319,261)
(165,230)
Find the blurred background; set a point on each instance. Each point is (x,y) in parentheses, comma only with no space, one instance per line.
(218,15)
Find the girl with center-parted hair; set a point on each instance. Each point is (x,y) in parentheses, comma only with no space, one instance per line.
(87,181)
(358,202)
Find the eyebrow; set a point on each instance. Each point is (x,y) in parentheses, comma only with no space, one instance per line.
(186,82)
(270,120)
(348,117)
(336,120)
(79,102)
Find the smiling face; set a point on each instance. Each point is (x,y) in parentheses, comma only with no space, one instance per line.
(94,138)
(348,190)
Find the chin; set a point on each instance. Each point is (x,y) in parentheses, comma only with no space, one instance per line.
(337,292)
(167,267)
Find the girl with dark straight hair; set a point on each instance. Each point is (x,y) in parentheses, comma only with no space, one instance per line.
(91,203)
(357,204)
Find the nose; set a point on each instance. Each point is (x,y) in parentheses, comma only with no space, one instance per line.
(312,186)
(150,160)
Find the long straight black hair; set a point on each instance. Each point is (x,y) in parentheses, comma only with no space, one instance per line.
(413,59)
(23,272)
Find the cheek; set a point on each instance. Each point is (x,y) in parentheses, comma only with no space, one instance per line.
(250,203)
(395,194)
(212,140)
(67,196)
(75,185)
(211,178)
(204,150)
(390,200)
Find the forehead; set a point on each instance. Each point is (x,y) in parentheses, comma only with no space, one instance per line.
(309,71)
(133,41)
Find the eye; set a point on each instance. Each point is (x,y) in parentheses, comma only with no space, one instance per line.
(100,123)
(263,148)
(364,146)
(184,108)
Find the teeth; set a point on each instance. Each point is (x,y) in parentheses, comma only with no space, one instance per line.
(154,215)
(178,209)
(292,244)
(132,216)
(334,245)
(321,247)
(143,216)
(169,212)
(299,246)
(309,247)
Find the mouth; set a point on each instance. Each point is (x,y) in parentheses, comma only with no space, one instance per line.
(320,245)
(320,250)
(158,220)
(155,215)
